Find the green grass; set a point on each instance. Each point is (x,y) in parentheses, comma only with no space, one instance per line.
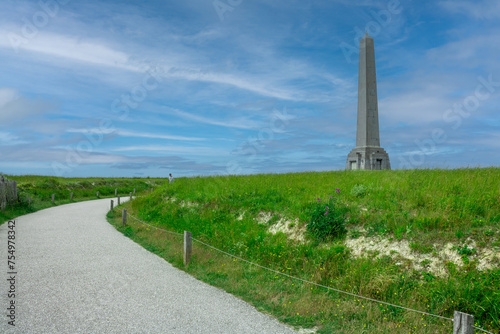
(423,207)
(39,190)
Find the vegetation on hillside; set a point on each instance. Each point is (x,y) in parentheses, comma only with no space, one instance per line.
(35,192)
(264,219)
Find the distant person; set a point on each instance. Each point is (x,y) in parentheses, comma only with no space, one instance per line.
(170,178)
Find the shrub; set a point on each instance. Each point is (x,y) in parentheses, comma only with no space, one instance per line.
(327,219)
(359,190)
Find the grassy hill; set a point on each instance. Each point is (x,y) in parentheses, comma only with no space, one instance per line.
(423,239)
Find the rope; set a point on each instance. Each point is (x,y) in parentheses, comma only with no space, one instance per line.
(483,330)
(320,285)
(175,233)
(301,279)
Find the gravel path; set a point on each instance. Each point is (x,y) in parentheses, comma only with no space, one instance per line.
(77,274)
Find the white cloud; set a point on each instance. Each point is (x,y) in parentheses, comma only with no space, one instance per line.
(413,107)
(68,47)
(9,139)
(479,9)
(14,106)
(238,81)
(127,133)
(164,149)
(470,52)
(7,95)
(242,123)
(488,141)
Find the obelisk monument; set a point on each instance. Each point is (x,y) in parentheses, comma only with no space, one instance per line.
(367,154)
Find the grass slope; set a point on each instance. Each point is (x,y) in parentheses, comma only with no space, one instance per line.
(427,209)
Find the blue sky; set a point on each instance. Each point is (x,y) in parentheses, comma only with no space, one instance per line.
(147,88)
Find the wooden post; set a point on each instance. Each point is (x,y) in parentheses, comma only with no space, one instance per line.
(118,199)
(134,191)
(53,198)
(112,205)
(71,197)
(29,201)
(130,195)
(14,189)
(124,217)
(463,323)
(188,246)
(97,194)
(116,191)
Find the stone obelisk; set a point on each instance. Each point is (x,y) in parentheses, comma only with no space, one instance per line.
(367,154)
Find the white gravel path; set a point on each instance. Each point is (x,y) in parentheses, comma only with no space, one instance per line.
(77,274)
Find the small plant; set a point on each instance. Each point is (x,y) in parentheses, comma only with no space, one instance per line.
(459,234)
(359,190)
(421,248)
(489,233)
(355,234)
(327,219)
(428,277)
(425,263)
(465,251)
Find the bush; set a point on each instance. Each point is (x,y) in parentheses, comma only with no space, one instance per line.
(327,219)
(359,190)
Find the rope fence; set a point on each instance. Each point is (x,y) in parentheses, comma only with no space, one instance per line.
(463,323)
(170,232)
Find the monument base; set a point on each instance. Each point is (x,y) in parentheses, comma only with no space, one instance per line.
(368,158)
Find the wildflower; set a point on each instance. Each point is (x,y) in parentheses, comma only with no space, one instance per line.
(319,199)
(337,190)
(326,213)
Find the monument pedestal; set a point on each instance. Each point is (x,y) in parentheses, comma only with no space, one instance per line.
(368,158)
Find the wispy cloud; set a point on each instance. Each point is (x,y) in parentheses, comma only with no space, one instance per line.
(414,107)
(468,52)
(240,81)
(243,123)
(168,149)
(71,48)
(9,139)
(158,136)
(16,107)
(135,134)
(480,9)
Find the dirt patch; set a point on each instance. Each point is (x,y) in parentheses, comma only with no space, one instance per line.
(187,204)
(290,228)
(241,216)
(263,218)
(434,263)
(182,203)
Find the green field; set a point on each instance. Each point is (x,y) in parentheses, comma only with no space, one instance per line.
(428,240)
(35,192)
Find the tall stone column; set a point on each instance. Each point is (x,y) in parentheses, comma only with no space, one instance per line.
(367,154)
